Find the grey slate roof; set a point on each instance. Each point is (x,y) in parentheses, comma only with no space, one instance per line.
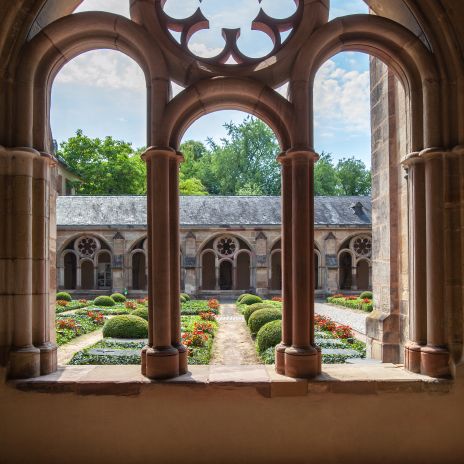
(76,211)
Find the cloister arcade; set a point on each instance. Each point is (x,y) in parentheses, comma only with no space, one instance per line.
(417,90)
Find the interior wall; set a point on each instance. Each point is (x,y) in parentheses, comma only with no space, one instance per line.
(231,425)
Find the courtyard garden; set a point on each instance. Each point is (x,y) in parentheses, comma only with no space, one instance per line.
(124,327)
(362,302)
(264,321)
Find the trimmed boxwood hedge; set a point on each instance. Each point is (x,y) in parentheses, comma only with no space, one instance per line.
(249,310)
(118,297)
(126,327)
(251,299)
(142,312)
(366,295)
(104,301)
(269,335)
(63,296)
(261,317)
(243,295)
(186,296)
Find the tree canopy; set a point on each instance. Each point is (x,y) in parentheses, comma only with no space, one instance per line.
(242,163)
(107,167)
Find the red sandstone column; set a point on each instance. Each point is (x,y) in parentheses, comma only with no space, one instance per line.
(435,356)
(41,264)
(286,263)
(174,232)
(418,264)
(16,259)
(302,359)
(161,358)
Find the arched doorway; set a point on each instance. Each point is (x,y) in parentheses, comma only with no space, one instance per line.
(104,272)
(139,278)
(87,275)
(226,279)
(362,275)
(345,276)
(243,274)
(276,270)
(208,271)
(70,271)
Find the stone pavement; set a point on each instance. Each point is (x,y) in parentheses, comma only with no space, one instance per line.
(355,319)
(233,345)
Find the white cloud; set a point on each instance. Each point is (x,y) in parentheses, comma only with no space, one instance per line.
(105,69)
(120,7)
(342,100)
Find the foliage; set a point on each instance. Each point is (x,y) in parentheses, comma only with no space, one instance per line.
(326,324)
(244,162)
(366,295)
(279,299)
(191,186)
(126,327)
(269,335)
(261,317)
(352,302)
(62,305)
(249,310)
(208,316)
(108,166)
(250,299)
(104,301)
(195,307)
(186,296)
(70,327)
(63,296)
(213,304)
(118,297)
(243,295)
(142,312)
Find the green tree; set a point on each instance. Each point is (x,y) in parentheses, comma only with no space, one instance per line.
(191,186)
(325,176)
(107,167)
(353,177)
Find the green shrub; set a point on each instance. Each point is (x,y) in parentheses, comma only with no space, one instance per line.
(186,296)
(366,295)
(104,301)
(261,317)
(182,299)
(269,335)
(251,299)
(118,297)
(243,295)
(126,327)
(249,310)
(143,313)
(63,296)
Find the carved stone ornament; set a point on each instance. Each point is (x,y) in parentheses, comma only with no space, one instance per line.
(362,246)
(86,247)
(226,246)
(272,27)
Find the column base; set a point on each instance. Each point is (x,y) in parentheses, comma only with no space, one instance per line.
(412,357)
(435,361)
(143,359)
(303,363)
(24,363)
(162,363)
(48,358)
(319,359)
(280,358)
(183,358)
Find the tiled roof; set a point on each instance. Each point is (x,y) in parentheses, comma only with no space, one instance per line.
(207,211)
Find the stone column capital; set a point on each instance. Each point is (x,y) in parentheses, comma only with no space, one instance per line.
(433,152)
(162,152)
(410,159)
(302,154)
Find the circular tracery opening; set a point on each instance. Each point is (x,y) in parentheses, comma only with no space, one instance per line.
(86,247)
(230,33)
(363,246)
(226,246)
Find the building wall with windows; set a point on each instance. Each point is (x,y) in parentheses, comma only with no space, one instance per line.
(228,245)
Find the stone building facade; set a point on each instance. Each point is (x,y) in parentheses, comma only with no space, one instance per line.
(228,245)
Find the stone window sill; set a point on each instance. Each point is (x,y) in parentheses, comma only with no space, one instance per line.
(128,381)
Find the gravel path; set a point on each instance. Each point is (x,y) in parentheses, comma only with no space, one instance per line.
(355,319)
(233,345)
(66,352)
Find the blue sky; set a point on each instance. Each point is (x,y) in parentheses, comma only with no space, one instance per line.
(103,92)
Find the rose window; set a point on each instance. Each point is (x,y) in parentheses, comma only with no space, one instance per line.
(87,246)
(363,246)
(226,246)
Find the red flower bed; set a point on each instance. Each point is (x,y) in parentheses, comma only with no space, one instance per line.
(277,298)
(97,318)
(328,325)
(208,316)
(213,303)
